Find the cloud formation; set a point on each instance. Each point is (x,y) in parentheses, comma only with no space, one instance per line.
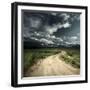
(53,28)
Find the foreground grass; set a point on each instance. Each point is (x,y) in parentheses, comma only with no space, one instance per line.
(72,57)
(31,56)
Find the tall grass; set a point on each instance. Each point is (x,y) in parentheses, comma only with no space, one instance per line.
(72,57)
(31,56)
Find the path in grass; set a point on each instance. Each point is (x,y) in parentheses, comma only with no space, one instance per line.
(51,66)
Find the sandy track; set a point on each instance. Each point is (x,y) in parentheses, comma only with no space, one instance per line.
(51,66)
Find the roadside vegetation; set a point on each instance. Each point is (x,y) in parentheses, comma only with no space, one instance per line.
(31,56)
(70,56)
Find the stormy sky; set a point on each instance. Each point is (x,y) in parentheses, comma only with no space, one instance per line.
(51,28)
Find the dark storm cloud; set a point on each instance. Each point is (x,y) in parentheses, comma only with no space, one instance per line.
(51,28)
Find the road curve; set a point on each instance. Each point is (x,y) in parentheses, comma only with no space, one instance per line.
(51,66)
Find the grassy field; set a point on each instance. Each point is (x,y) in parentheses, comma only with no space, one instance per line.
(31,56)
(72,57)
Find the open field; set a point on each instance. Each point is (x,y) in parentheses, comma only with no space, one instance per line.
(44,61)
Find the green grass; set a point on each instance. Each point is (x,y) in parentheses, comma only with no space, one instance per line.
(72,57)
(31,56)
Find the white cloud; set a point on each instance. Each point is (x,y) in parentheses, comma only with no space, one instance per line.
(54,14)
(65,15)
(35,22)
(59,39)
(51,29)
(43,40)
(74,37)
(71,40)
(67,42)
(37,34)
(48,35)
(53,37)
(66,25)
(34,38)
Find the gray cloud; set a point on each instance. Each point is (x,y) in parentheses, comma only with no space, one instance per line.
(52,28)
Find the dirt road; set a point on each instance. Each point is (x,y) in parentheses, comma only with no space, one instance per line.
(51,66)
